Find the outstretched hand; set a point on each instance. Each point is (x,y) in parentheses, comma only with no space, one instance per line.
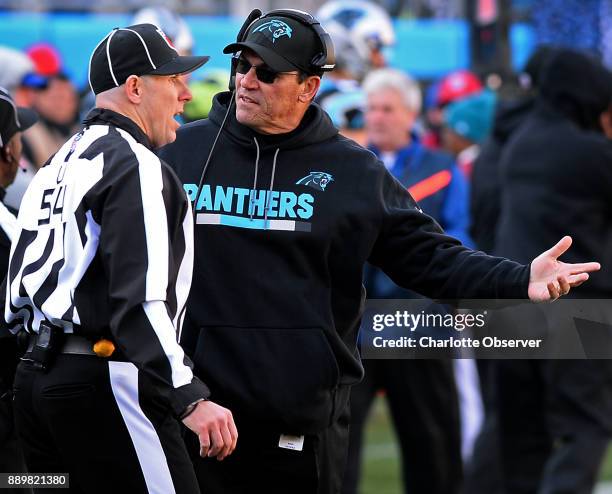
(550,278)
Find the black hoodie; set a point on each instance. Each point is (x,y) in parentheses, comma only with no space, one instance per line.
(277,297)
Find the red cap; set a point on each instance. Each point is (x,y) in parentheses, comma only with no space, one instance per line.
(458,85)
(46,58)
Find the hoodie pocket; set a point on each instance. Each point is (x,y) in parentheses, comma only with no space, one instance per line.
(284,377)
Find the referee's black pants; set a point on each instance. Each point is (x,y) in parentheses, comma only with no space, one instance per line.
(105,424)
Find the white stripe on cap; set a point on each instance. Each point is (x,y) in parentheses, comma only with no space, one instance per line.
(143,44)
(91,58)
(110,64)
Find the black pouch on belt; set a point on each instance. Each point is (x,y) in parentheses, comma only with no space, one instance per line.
(47,345)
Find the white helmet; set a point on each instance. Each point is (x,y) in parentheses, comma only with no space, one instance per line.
(170,23)
(352,52)
(365,20)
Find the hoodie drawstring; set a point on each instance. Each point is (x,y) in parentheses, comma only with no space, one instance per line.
(271,187)
(254,191)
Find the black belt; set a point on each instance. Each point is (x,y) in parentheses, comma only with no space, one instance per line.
(72,344)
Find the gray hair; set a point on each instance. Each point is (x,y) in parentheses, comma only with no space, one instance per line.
(406,86)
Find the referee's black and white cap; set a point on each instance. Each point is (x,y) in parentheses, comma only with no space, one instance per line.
(142,49)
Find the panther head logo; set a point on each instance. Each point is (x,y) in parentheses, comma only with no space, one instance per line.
(316,180)
(274,29)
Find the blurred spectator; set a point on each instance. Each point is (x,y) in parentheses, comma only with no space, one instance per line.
(509,115)
(57,107)
(468,123)
(19,78)
(360,31)
(452,87)
(421,393)
(483,471)
(340,94)
(456,86)
(556,177)
(13,120)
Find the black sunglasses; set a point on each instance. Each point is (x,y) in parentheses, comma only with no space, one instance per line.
(264,73)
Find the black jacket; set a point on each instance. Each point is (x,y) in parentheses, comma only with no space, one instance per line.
(485,182)
(556,176)
(275,306)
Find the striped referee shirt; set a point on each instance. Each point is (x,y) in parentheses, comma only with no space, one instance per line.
(103,246)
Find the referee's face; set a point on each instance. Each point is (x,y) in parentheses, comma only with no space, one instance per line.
(165,97)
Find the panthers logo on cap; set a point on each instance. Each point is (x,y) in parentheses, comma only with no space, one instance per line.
(274,29)
(316,180)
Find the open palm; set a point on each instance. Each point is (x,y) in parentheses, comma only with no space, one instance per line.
(550,278)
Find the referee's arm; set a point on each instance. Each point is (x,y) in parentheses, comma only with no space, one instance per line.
(144,210)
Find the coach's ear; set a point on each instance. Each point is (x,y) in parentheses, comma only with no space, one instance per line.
(310,88)
(134,88)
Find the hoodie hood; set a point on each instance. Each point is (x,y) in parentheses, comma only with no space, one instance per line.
(509,115)
(316,126)
(578,86)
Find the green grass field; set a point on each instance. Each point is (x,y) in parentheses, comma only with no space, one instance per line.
(381,474)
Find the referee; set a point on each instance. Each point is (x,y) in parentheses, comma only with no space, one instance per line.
(99,273)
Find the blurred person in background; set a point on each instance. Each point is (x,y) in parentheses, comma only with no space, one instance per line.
(467,124)
(13,121)
(468,121)
(341,95)
(360,31)
(483,471)
(432,177)
(19,78)
(57,106)
(421,394)
(452,87)
(556,175)
(509,115)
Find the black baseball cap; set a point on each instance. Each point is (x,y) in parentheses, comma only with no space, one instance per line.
(13,119)
(283,43)
(142,49)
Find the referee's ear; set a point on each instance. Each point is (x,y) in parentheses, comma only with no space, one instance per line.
(134,89)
